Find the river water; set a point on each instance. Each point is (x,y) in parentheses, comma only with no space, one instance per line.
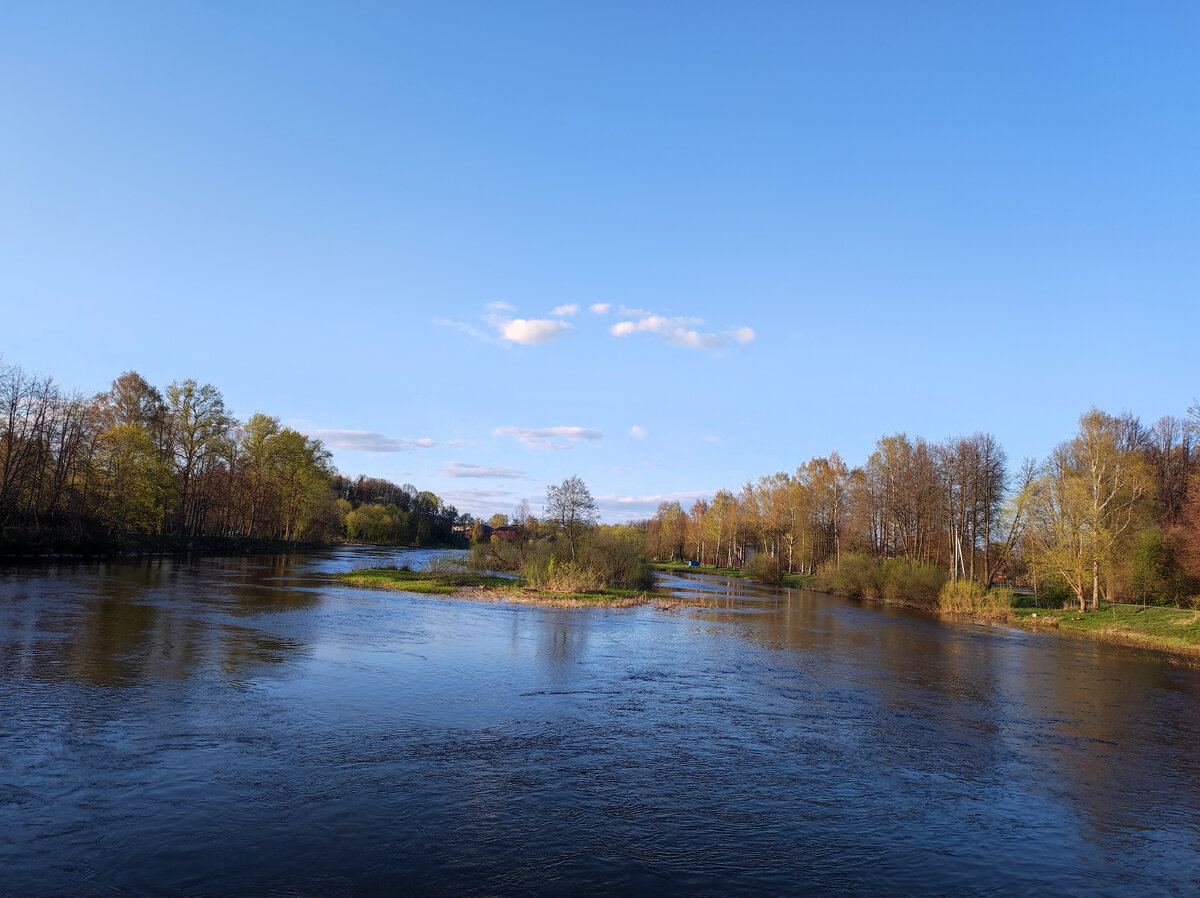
(250,726)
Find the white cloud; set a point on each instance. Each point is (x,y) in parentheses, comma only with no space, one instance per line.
(458,469)
(638,432)
(600,308)
(533,330)
(481,503)
(564,311)
(499,307)
(462,326)
(677,331)
(543,438)
(366,441)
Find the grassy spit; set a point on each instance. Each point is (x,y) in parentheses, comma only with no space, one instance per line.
(484,587)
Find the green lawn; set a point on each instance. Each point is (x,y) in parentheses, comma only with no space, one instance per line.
(1170,629)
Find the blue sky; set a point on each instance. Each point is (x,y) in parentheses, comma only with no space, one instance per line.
(668,247)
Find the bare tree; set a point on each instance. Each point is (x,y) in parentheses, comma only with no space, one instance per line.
(571,508)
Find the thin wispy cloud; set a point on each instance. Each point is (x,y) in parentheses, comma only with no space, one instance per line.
(637,432)
(367,441)
(551,438)
(711,439)
(564,311)
(600,308)
(458,469)
(499,307)
(679,331)
(633,507)
(480,502)
(463,326)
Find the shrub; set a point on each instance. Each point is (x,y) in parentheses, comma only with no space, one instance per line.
(858,576)
(618,555)
(554,575)
(970,597)
(765,569)
(911,581)
(443,564)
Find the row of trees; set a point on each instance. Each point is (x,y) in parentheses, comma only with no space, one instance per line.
(139,460)
(1114,511)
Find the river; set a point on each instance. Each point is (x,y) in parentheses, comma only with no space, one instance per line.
(228,726)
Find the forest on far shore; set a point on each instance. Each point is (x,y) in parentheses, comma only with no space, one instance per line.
(138,467)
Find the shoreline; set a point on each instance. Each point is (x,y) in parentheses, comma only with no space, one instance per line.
(486,588)
(1172,633)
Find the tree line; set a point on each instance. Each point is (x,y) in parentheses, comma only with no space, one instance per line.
(1112,514)
(79,471)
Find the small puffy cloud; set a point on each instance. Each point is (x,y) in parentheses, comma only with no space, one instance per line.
(528,331)
(549,437)
(458,469)
(600,308)
(564,311)
(366,441)
(637,432)
(677,331)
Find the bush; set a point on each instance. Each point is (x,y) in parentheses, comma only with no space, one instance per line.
(618,555)
(554,575)
(911,582)
(443,564)
(858,577)
(765,569)
(970,597)
(896,580)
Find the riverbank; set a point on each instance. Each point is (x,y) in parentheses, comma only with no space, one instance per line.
(795,581)
(17,545)
(487,588)
(1172,630)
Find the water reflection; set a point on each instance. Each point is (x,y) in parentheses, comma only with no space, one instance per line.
(249,725)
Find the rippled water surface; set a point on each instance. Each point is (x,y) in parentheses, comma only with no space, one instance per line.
(249,726)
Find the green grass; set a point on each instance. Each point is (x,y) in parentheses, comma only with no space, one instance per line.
(799,581)
(426,582)
(1169,629)
(484,586)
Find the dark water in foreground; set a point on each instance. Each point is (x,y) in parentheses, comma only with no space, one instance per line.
(233,726)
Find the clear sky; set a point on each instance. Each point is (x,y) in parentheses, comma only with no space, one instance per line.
(666,246)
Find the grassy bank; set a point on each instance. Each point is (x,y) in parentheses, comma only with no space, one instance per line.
(1167,629)
(487,587)
(797,581)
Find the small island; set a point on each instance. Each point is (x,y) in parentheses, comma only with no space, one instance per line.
(489,588)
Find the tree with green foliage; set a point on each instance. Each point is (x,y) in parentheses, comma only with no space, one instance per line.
(571,509)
